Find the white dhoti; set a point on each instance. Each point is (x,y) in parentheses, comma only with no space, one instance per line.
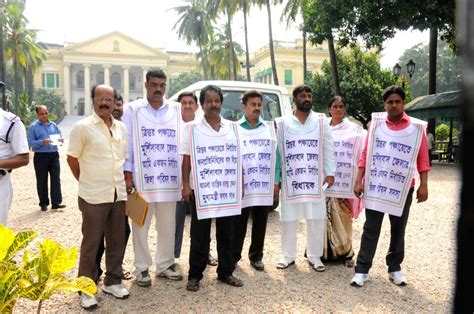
(6,196)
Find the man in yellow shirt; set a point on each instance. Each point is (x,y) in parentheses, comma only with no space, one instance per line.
(96,155)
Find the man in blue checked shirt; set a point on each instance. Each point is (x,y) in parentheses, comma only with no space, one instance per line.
(44,137)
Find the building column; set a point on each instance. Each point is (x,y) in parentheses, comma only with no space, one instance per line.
(87,90)
(126,84)
(68,105)
(144,80)
(107,74)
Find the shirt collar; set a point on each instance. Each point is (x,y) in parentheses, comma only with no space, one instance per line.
(96,119)
(244,121)
(403,119)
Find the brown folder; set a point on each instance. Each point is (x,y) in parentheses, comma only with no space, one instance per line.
(136,208)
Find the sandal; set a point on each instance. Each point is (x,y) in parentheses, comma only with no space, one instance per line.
(232,281)
(318,266)
(284,265)
(127,275)
(211,261)
(193,285)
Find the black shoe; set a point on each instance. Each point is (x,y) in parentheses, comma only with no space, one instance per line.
(58,206)
(44,208)
(257,265)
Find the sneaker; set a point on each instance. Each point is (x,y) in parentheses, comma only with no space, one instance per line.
(171,273)
(117,291)
(359,279)
(88,302)
(143,279)
(397,278)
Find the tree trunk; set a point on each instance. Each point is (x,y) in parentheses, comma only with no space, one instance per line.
(203,62)
(432,66)
(17,80)
(2,61)
(247,57)
(272,51)
(332,57)
(29,84)
(231,47)
(305,61)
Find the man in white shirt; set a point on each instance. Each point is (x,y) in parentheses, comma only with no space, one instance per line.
(152,167)
(308,167)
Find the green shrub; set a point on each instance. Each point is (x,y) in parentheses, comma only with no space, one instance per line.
(37,276)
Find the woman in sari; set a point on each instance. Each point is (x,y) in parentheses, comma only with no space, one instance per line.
(342,205)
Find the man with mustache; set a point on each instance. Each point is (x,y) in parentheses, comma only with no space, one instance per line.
(118,111)
(96,155)
(152,168)
(308,166)
(259,145)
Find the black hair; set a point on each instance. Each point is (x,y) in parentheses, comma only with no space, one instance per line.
(210,88)
(336,98)
(301,88)
(393,90)
(251,94)
(158,73)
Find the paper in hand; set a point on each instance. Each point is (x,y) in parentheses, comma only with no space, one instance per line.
(55,140)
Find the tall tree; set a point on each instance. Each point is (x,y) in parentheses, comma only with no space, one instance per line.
(292,9)
(448,68)
(267,4)
(194,25)
(21,47)
(362,83)
(229,8)
(375,21)
(221,56)
(322,17)
(245,6)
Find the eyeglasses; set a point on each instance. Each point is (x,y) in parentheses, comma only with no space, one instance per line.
(104,99)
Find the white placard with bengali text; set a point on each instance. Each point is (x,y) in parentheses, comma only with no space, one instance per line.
(258,164)
(348,139)
(156,155)
(302,158)
(217,172)
(391,164)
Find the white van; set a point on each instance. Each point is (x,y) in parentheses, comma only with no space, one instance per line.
(276,101)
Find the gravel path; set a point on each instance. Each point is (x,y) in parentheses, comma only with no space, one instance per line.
(429,263)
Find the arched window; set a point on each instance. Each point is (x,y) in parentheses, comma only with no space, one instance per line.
(100,78)
(116,81)
(80,79)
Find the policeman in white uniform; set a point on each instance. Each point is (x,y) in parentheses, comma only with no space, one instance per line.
(14,153)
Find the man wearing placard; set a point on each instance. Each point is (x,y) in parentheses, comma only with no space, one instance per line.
(258,163)
(307,157)
(211,155)
(152,167)
(395,150)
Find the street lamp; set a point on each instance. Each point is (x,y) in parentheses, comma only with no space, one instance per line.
(397,71)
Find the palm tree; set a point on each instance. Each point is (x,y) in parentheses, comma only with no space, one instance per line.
(261,3)
(245,6)
(228,7)
(291,10)
(194,25)
(21,46)
(221,55)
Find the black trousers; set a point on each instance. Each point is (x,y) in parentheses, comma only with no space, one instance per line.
(371,234)
(200,241)
(101,250)
(259,228)
(48,163)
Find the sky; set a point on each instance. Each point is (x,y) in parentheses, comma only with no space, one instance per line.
(151,22)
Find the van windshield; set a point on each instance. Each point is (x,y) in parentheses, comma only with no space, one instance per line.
(232,105)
